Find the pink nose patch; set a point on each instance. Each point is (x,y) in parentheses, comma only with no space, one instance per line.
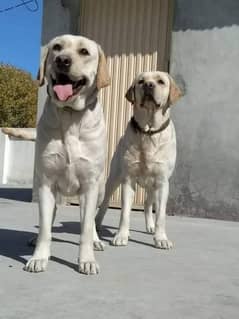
(63,92)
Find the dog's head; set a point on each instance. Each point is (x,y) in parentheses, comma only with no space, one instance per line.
(153,88)
(74,67)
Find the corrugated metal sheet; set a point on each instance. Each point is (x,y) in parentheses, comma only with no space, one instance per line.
(133,35)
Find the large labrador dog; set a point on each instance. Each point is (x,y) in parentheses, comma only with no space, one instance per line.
(146,155)
(71,142)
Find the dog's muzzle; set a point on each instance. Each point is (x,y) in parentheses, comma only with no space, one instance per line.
(63,63)
(148,89)
(65,88)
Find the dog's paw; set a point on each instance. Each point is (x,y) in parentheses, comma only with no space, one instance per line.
(163,243)
(150,229)
(99,245)
(120,240)
(89,267)
(36,265)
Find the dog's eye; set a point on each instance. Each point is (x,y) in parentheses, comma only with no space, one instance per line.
(141,82)
(161,82)
(57,47)
(84,52)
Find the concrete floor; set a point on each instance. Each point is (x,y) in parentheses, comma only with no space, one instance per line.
(198,279)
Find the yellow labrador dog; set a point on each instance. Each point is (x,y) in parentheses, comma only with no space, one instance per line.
(146,155)
(71,142)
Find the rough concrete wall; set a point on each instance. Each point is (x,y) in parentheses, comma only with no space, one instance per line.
(204,59)
(59,17)
(55,21)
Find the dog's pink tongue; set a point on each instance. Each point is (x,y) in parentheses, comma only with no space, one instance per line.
(63,92)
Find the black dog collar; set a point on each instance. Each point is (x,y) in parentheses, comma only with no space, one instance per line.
(149,132)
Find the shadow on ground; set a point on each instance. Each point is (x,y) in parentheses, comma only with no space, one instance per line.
(106,232)
(14,244)
(20,194)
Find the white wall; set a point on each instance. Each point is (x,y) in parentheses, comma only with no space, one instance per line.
(16,161)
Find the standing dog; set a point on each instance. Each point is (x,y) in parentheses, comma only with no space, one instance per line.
(71,142)
(146,155)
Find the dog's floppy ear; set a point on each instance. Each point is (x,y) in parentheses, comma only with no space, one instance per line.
(42,68)
(174,91)
(102,78)
(130,96)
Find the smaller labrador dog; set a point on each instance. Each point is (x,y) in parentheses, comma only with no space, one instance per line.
(71,142)
(146,155)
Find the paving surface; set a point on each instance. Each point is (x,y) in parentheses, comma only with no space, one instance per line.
(198,279)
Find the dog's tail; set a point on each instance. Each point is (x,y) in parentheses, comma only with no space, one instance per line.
(21,133)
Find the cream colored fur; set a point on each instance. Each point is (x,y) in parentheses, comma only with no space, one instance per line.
(71,147)
(145,160)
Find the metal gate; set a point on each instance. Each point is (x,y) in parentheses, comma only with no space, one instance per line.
(135,36)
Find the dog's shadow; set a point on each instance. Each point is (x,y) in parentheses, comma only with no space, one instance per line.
(75,228)
(106,232)
(14,244)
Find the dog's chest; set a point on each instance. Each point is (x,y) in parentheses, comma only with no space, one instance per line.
(149,160)
(141,161)
(73,162)
(60,153)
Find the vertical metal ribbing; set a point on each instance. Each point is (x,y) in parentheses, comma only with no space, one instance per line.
(132,34)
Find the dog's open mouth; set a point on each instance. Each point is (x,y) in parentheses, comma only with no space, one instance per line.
(65,88)
(149,98)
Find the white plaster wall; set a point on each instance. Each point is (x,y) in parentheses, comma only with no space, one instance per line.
(16,161)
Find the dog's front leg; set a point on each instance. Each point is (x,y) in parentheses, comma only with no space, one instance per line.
(39,260)
(161,198)
(33,240)
(122,236)
(87,263)
(98,244)
(148,213)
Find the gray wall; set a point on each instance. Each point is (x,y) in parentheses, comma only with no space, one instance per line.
(205,60)
(55,21)
(59,17)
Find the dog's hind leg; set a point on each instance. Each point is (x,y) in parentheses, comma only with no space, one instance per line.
(111,185)
(98,244)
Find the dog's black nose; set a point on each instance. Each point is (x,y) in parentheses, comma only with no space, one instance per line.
(63,62)
(148,87)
